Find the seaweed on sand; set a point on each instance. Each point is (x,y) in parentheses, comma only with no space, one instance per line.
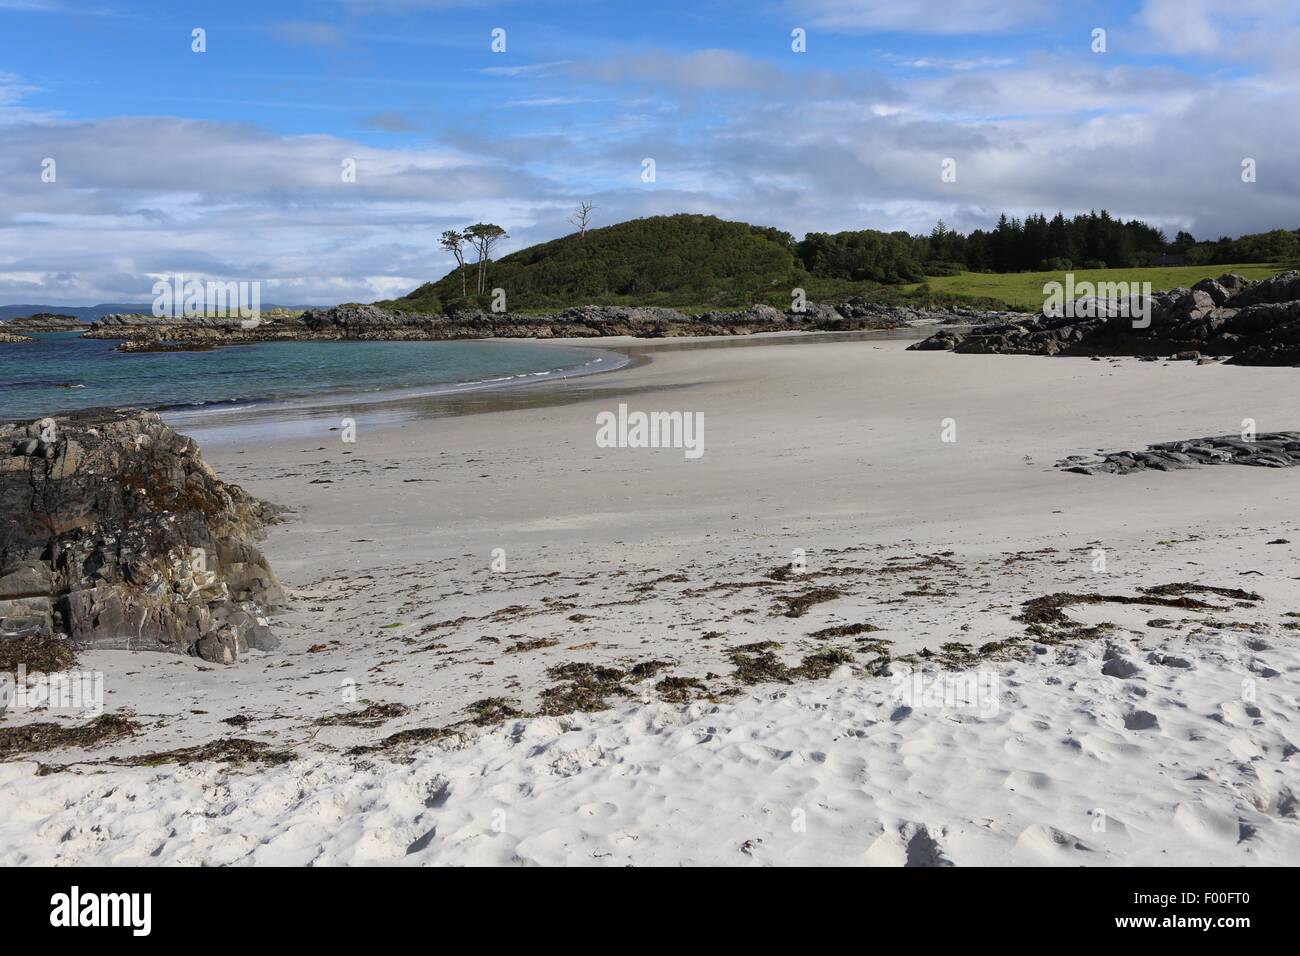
(370,716)
(43,655)
(797,605)
(35,738)
(583,687)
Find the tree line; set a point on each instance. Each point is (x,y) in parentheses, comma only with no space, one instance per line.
(1094,240)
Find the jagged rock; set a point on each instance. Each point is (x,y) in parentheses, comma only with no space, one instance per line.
(26,617)
(1249,323)
(27,580)
(943,340)
(1283,287)
(116,534)
(1268,450)
(223,646)
(1218,292)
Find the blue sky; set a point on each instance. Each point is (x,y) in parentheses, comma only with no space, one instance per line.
(226,163)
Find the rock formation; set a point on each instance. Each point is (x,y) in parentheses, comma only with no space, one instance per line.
(368,322)
(1251,323)
(114,533)
(43,322)
(1269,450)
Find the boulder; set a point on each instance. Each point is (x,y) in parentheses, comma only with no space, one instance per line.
(1216,291)
(222,646)
(1283,287)
(134,543)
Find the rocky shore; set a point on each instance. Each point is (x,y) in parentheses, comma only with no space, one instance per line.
(19,330)
(114,533)
(1247,322)
(369,323)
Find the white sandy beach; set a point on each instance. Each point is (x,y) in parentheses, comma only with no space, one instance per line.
(1158,743)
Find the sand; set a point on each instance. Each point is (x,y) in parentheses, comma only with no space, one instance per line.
(625,556)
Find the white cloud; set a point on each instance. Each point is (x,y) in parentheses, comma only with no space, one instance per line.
(307,32)
(530,69)
(727,70)
(1262,33)
(954,63)
(919,16)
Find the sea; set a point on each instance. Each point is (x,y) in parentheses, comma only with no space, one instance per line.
(62,372)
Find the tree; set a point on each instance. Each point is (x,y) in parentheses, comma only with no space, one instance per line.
(483,236)
(454,242)
(582,218)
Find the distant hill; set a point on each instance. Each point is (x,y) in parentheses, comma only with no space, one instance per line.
(660,260)
(89,313)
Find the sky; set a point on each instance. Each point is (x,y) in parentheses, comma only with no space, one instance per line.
(230,163)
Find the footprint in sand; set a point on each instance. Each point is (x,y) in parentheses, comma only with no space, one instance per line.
(1022,780)
(1115,664)
(1207,825)
(908,844)
(1047,844)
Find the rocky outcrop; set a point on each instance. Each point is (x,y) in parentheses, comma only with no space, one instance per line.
(114,533)
(1250,323)
(12,339)
(1269,450)
(43,322)
(368,323)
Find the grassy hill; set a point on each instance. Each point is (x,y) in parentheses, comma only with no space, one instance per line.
(662,260)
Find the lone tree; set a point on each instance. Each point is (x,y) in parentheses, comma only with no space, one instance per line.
(483,236)
(454,242)
(582,218)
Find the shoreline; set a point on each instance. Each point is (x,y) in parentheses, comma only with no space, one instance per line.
(266,423)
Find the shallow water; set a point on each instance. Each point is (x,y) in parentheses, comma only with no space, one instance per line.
(62,372)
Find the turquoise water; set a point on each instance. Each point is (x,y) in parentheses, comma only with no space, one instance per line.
(62,372)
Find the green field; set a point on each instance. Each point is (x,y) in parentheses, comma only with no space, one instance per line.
(1024,290)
